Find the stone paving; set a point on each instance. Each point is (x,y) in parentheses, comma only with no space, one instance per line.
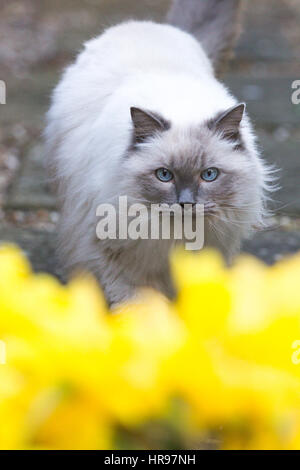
(41,37)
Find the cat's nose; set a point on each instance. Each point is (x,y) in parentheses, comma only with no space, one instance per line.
(182,204)
(186,197)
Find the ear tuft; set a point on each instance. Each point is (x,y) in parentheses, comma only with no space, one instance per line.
(228,123)
(146,124)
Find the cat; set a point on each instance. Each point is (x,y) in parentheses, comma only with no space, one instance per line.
(142,101)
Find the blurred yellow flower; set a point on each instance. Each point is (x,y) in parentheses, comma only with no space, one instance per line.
(220,362)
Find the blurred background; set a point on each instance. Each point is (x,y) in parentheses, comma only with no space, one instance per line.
(38,38)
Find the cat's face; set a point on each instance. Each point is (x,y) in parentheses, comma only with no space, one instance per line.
(205,164)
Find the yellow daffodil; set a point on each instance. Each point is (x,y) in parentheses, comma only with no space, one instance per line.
(220,364)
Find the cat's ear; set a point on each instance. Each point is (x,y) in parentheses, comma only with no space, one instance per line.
(228,123)
(146,124)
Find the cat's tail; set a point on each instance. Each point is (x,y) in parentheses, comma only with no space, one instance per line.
(215,23)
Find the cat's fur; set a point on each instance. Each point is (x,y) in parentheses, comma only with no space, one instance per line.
(140,97)
(215,23)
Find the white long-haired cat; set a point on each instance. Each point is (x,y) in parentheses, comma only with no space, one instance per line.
(141,113)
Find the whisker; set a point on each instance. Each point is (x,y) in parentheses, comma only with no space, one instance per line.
(217,232)
(231,221)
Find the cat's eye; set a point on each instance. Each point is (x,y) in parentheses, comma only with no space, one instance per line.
(164,175)
(210,174)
